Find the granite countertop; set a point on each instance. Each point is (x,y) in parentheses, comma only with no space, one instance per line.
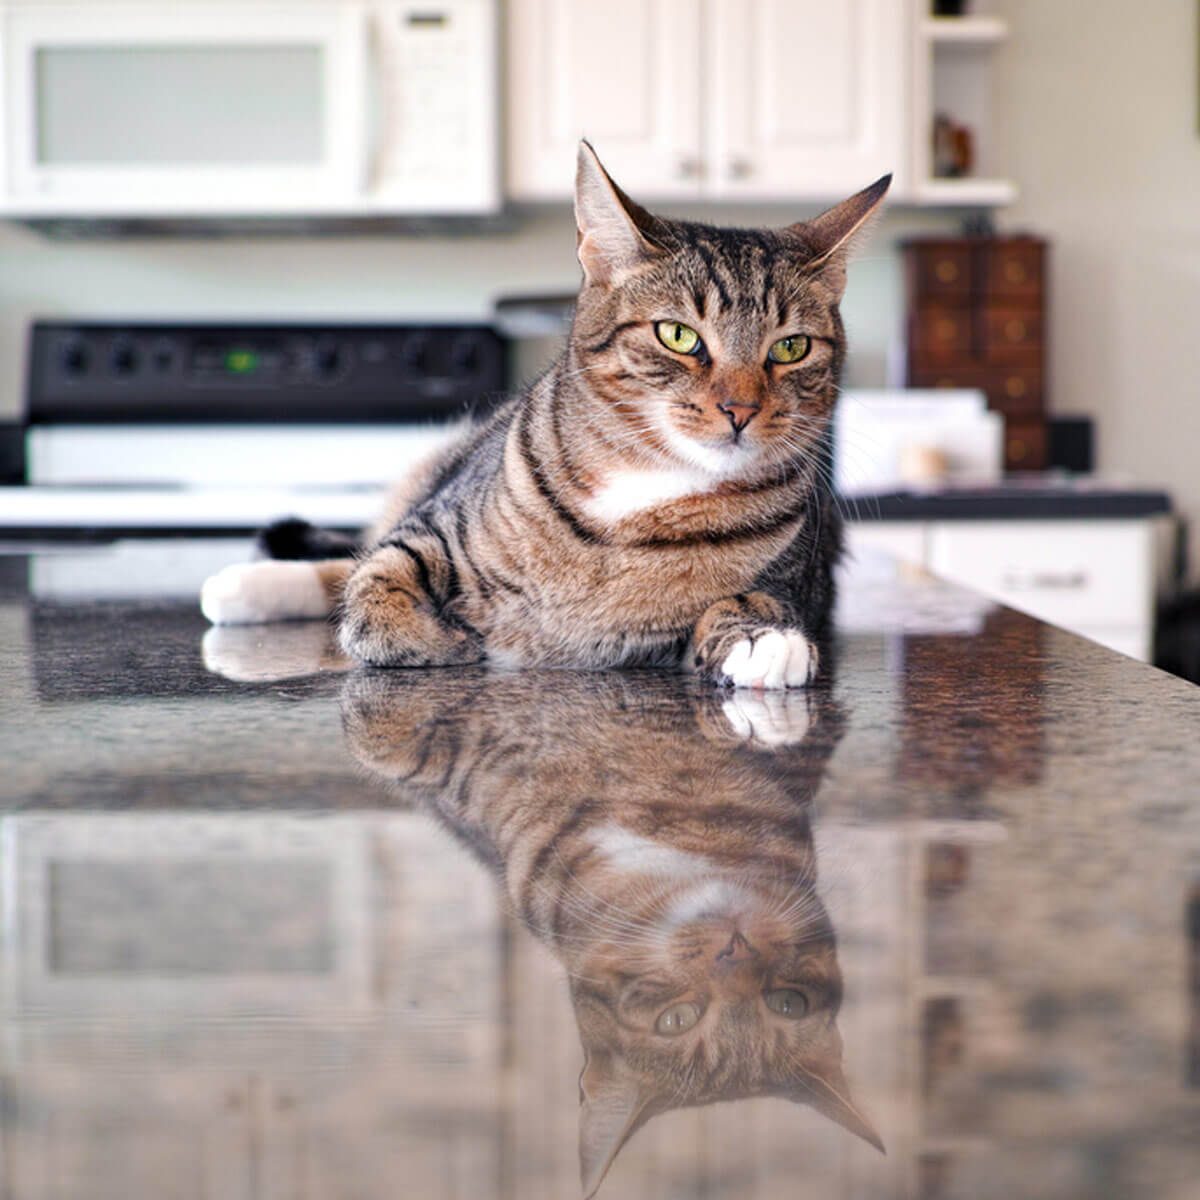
(309,931)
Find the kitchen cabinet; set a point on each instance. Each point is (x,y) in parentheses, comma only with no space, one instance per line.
(1098,578)
(804,97)
(707,99)
(624,73)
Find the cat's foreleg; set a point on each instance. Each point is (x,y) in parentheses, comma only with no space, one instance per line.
(392,612)
(752,640)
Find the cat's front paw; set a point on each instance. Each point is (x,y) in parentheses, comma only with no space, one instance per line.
(249,593)
(770,659)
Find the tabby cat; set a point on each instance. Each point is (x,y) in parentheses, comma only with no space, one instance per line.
(658,495)
(643,830)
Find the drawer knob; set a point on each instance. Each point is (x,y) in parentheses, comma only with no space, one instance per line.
(1059,581)
(1015,330)
(1015,387)
(946,329)
(946,270)
(1014,271)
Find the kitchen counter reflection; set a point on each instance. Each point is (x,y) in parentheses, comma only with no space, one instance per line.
(272,927)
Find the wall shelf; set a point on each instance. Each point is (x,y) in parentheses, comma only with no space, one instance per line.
(965,31)
(966,191)
(952,76)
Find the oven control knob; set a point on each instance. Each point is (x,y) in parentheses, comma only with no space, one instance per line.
(328,358)
(74,358)
(416,356)
(163,355)
(123,358)
(465,358)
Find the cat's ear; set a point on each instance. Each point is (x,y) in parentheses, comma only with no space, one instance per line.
(829,1094)
(612,1108)
(832,237)
(613,233)
(820,1083)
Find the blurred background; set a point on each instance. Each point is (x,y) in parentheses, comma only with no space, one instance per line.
(256,253)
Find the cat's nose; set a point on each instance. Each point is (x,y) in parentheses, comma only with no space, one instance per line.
(739,412)
(738,951)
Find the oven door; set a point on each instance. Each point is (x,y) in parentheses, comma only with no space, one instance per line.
(149,109)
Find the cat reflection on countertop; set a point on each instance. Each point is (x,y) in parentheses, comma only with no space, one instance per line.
(657,838)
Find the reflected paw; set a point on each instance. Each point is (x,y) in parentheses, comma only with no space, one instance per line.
(248,654)
(768,718)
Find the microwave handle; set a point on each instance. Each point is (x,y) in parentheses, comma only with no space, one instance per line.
(374,102)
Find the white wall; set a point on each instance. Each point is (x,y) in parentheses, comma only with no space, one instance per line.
(1099,104)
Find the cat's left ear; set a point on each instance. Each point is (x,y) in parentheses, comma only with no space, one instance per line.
(832,237)
(829,1094)
(612,1109)
(819,1082)
(614,233)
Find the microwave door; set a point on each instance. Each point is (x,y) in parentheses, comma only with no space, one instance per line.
(195,109)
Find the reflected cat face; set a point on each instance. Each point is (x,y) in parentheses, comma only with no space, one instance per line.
(700,982)
(665,858)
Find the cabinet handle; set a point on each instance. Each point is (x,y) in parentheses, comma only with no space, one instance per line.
(740,168)
(689,168)
(1018,580)
(945,270)
(1014,271)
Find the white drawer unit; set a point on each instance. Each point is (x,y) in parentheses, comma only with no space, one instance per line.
(1095,577)
(1071,573)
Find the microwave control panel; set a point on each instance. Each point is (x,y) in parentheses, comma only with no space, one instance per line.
(89,372)
(434,96)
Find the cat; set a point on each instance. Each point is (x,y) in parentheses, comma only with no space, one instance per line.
(658,496)
(643,829)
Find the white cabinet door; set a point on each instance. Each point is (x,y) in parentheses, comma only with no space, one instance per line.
(624,74)
(806,97)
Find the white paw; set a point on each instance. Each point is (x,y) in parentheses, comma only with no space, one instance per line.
(780,658)
(768,718)
(248,593)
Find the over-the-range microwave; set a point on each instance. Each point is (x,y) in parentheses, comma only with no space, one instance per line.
(248,108)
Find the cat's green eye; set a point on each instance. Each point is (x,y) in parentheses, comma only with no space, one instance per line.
(677,336)
(787,1002)
(790,349)
(679,1018)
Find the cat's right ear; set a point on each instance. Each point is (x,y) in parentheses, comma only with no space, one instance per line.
(612,1108)
(613,233)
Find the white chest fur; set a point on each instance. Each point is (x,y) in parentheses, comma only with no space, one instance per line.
(633,854)
(624,493)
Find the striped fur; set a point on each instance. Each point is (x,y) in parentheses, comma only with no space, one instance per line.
(617,513)
(639,854)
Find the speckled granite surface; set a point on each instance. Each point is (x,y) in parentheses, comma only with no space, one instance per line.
(248,948)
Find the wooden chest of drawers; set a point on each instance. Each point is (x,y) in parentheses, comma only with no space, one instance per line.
(977,318)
